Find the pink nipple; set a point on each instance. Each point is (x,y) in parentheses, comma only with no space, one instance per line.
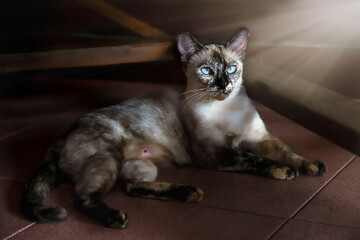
(145,153)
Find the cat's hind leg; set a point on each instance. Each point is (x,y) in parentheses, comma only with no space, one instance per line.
(96,180)
(140,178)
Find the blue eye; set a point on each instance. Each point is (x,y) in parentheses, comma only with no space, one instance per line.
(205,70)
(231,69)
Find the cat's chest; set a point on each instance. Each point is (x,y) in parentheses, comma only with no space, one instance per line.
(223,119)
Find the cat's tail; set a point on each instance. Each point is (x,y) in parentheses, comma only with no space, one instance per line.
(39,187)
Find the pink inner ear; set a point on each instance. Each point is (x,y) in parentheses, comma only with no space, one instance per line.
(181,44)
(238,45)
(239,41)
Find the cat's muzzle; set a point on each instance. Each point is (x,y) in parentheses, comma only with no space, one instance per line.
(222,96)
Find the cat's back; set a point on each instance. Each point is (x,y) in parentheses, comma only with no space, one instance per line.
(149,115)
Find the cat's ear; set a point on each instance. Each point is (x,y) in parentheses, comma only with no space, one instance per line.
(238,42)
(188,46)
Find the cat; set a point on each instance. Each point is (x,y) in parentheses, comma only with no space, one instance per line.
(213,125)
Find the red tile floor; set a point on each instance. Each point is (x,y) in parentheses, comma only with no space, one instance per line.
(235,206)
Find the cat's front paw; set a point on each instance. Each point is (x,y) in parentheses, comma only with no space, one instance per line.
(284,173)
(313,168)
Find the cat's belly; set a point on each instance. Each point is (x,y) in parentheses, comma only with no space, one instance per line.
(151,151)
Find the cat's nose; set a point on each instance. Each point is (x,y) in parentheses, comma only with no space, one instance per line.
(222,83)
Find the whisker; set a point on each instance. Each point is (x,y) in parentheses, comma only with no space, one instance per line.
(192,97)
(200,97)
(195,97)
(192,90)
(189,98)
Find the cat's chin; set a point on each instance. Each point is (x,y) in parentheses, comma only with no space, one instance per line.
(222,96)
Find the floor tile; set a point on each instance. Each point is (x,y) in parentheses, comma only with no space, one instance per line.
(339,202)
(11,192)
(302,230)
(153,219)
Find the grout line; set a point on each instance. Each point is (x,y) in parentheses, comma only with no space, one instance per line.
(240,211)
(322,187)
(312,197)
(277,229)
(19,231)
(328,224)
(20,130)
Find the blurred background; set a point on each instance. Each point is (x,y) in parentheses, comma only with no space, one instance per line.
(315,40)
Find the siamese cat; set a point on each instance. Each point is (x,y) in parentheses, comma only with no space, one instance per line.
(213,125)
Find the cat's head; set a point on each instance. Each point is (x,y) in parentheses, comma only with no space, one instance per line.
(215,70)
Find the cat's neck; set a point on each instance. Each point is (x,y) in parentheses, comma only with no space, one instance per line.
(236,101)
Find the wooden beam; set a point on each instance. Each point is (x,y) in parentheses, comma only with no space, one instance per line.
(114,14)
(86,57)
(321,110)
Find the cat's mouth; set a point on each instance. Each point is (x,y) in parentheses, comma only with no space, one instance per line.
(222,96)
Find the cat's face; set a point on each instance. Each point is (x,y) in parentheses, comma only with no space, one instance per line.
(215,70)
